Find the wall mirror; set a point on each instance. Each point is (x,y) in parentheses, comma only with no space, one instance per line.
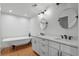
(43,23)
(67,18)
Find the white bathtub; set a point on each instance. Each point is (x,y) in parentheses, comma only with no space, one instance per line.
(7,42)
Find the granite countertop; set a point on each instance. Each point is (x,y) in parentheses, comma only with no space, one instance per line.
(72,43)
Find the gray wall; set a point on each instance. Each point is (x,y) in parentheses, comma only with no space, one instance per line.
(12,26)
(53,26)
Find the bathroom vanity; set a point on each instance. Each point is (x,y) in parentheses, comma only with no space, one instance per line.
(52,46)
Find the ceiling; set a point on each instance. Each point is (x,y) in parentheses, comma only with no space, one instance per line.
(28,10)
(24,9)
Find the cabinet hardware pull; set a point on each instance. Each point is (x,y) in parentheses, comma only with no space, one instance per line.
(61,54)
(58,53)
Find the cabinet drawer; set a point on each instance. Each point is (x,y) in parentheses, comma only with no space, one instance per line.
(69,50)
(53,44)
(44,41)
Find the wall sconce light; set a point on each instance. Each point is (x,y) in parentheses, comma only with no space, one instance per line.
(46,22)
(42,12)
(77,17)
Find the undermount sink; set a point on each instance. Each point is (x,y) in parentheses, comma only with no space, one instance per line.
(42,34)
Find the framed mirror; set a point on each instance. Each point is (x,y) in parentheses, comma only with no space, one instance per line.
(67,18)
(43,24)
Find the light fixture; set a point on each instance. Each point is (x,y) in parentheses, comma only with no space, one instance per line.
(40,16)
(42,12)
(76,17)
(49,12)
(10,11)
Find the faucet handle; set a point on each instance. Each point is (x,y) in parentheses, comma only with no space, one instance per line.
(62,36)
(65,36)
(70,37)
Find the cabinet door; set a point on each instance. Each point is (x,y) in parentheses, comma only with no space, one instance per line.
(35,44)
(69,50)
(53,51)
(54,48)
(54,44)
(43,50)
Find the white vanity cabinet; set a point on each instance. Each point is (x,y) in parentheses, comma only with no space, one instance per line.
(47,47)
(40,46)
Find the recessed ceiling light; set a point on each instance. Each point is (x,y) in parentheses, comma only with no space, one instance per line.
(10,11)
